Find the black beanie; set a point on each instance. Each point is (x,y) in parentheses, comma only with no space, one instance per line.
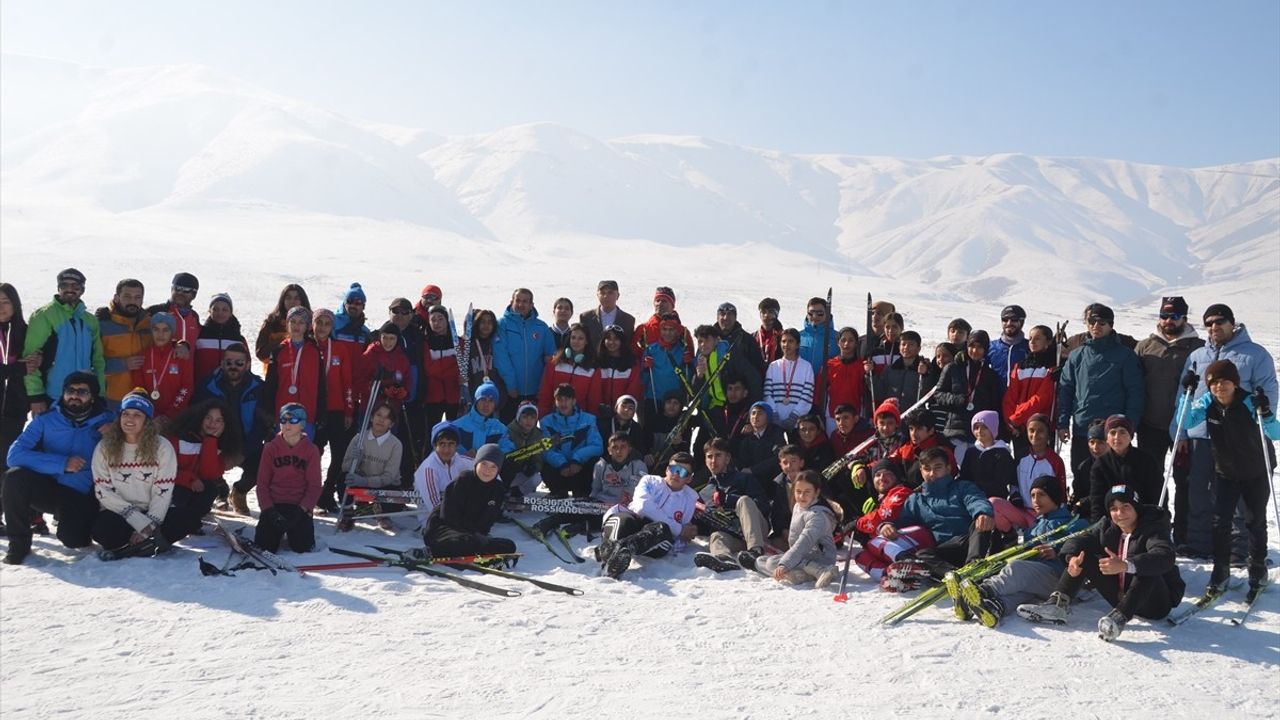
(389,328)
(1221,370)
(1219,310)
(1051,486)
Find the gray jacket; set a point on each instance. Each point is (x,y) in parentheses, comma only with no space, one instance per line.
(810,537)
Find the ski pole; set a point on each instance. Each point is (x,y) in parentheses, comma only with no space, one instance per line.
(1266,463)
(843,596)
(1182,416)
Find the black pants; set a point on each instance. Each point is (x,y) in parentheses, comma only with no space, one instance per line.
(1254,492)
(642,537)
(434,412)
(955,552)
(578,485)
(1156,443)
(10,429)
(27,492)
(112,531)
(188,507)
(337,437)
(249,469)
(1079,451)
(1146,596)
(408,430)
(281,521)
(445,541)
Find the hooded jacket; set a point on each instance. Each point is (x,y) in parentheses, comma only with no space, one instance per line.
(123,337)
(69,339)
(1162,361)
(1005,353)
(52,437)
(1100,379)
(963,384)
(214,338)
(810,537)
(1031,390)
(575,439)
(1233,434)
(1252,361)
(993,470)
(946,506)
(1149,548)
(1136,469)
(521,346)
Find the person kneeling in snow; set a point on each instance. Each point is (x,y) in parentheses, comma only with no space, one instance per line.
(472,503)
(288,485)
(1020,582)
(659,514)
(1130,560)
(812,551)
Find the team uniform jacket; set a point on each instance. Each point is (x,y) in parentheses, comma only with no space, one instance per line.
(339,377)
(174,377)
(433,477)
(312,393)
(655,501)
(214,338)
(585,382)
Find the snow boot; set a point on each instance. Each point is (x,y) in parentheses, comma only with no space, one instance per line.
(653,540)
(19,548)
(1055,610)
(952,582)
(715,563)
(905,575)
(827,576)
(1111,625)
(986,608)
(618,562)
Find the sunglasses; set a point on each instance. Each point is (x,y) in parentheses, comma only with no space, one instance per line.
(291,420)
(679,471)
(70,286)
(1098,321)
(1010,319)
(1171,316)
(78,392)
(185,290)
(234,363)
(1215,322)
(431,298)
(401,312)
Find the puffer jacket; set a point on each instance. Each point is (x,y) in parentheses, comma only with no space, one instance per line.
(1101,378)
(946,506)
(521,346)
(810,537)
(1252,361)
(1162,361)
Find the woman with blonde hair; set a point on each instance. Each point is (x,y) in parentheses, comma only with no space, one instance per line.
(133,473)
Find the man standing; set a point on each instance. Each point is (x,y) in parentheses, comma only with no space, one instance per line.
(664,304)
(49,469)
(235,385)
(769,336)
(1102,378)
(606,314)
(818,345)
(1162,357)
(1011,347)
(126,335)
(522,347)
(1226,341)
(746,361)
(184,290)
(65,338)
(349,322)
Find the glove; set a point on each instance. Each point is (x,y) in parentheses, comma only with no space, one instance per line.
(717,498)
(1191,381)
(356,480)
(275,519)
(397,392)
(1261,402)
(647,363)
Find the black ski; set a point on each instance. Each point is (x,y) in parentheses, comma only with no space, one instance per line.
(422,567)
(496,571)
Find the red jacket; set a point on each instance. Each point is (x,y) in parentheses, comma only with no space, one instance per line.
(1030,391)
(848,382)
(441,381)
(907,453)
(173,376)
(289,475)
(841,443)
(616,383)
(392,367)
(769,340)
(197,461)
(887,511)
(339,376)
(188,327)
(648,333)
(300,369)
(585,382)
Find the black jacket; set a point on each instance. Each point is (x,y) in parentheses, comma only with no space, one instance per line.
(1149,547)
(1233,435)
(759,455)
(994,471)
(13,394)
(962,384)
(734,485)
(469,505)
(1136,469)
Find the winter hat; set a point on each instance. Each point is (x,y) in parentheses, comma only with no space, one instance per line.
(438,310)
(980,337)
(71,275)
(624,398)
(487,390)
(389,328)
(222,297)
(1051,486)
(890,465)
(433,290)
(1214,310)
(889,407)
(1097,431)
(1013,312)
(355,292)
(768,409)
(293,411)
(526,406)
(80,377)
(1221,370)
(444,426)
(401,304)
(1040,418)
(1123,493)
(299,311)
(664,293)
(1100,312)
(727,307)
(1119,421)
(186,280)
(1173,304)
(989,419)
(490,452)
(670,319)
(324,312)
(137,399)
(164,318)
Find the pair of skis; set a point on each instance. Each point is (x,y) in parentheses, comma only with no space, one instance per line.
(1211,597)
(566,554)
(402,559)
(242,546)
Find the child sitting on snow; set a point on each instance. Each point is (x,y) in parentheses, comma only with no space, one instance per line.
(812,552)
(472,503)
(879,552)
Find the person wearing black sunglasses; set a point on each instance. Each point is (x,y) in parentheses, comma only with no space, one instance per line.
(1162,356)
(241,391)
(1226,340)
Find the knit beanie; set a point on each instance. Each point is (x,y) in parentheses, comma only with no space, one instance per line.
(486,390)
(299,311)
(164,318)
(1123,493)
(1221,370)
(1119,421)
(1214,310)
(980,337)
(664,293)
(989,419)
(490,452)
(137,400)
(1051,486)
(766,407)
(355,292)
(222,297)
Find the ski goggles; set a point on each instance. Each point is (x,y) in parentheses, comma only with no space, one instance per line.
(679,471)
(293,414)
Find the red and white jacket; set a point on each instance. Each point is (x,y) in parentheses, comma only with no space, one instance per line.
(1030,391)
(197,461)
(441,381)
(394,369)
(847,383)
(338,376)
(301,369)
(585,382)
(616,383)
(173,377)
(886,512)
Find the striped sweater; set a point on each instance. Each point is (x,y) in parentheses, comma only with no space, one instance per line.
(139,492)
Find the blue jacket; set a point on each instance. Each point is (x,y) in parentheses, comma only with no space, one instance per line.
(1057,518)
(811,344)
(475,430)
(663,379)
(253,431)
(347,330)
(946,506)
(1254,363)
(575,439)
(520,350)
(1101,378)
(51,438)
(1238,450)
(1003,357)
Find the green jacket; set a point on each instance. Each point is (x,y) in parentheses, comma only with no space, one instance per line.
(70,340)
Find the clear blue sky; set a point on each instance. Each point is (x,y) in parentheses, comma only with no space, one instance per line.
(1183,83)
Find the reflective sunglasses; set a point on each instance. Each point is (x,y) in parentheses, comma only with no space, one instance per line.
(679,471)
(1171,316)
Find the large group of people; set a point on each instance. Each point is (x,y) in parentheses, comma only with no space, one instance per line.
(123,423)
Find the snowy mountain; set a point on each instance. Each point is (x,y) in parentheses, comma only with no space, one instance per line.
(167,141)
